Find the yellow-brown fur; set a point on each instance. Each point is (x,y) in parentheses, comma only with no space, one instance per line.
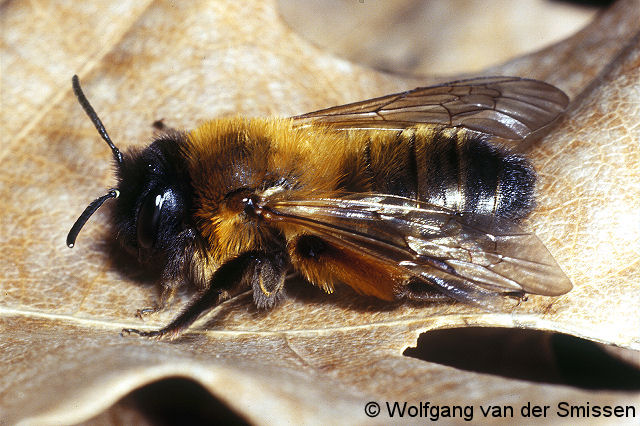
(273,160)
(227,154)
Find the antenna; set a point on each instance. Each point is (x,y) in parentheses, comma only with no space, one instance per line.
(86,214)
(75,82)
(113,193)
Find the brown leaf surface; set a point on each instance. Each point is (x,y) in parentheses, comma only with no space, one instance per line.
(316,357)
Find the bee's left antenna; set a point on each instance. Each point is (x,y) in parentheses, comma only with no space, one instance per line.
(75,82)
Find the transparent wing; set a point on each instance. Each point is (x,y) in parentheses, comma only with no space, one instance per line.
(469,257)
(509,108)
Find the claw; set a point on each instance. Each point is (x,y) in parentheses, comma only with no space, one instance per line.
(153,334)
(519,297)
(130,331)
(141,313)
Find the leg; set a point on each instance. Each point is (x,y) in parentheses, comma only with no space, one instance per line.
(233,277)
(173,275)
(267,280)
(419,290)
(168,293)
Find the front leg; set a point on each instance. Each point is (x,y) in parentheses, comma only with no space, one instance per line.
(166,296)
(173,273)
(265,272)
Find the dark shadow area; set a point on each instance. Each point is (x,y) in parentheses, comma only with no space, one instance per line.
(588,3)
(178,401)
(527,355)
(586,365)
(129,267)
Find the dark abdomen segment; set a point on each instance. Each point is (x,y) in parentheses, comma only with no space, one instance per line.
(452,168)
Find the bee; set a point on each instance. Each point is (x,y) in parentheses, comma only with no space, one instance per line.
(416,195)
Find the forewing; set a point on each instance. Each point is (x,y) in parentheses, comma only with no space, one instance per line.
(469,257)
(508,108)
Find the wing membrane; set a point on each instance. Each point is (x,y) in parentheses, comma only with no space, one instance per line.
(509,108)
(469,257)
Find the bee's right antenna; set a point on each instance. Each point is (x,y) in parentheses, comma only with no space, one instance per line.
(86,214)
(75,82)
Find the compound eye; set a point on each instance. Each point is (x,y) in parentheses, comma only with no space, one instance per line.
(149,218)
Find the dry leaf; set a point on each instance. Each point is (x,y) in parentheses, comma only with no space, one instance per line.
(435,37)
(315,358)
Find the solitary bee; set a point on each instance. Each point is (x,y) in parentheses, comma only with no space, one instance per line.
(415,195)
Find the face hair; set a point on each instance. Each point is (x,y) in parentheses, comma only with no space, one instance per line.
(86,214)
(113,193)
(75,82)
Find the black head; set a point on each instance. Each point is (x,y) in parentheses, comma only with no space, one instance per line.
(153,194)
(151,214)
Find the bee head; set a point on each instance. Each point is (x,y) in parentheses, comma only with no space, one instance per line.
(150,210)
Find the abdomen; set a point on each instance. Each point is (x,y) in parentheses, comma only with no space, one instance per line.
(451,168)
